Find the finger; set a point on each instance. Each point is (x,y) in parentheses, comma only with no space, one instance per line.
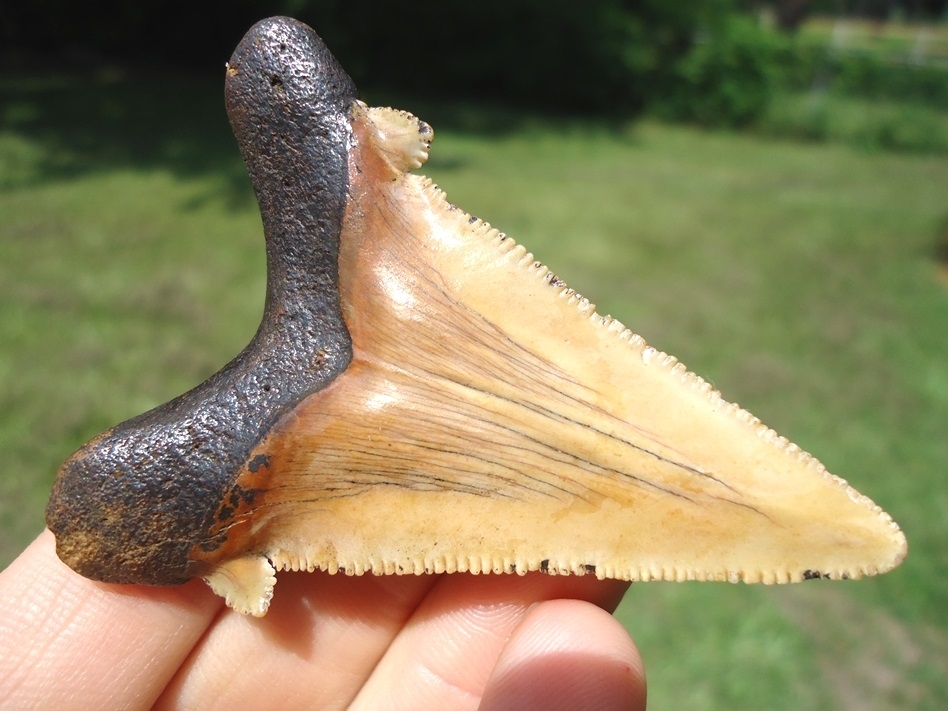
(568,655)
(448,649)
(319,642)
(69,642)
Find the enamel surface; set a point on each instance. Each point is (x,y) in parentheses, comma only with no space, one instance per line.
(492,421)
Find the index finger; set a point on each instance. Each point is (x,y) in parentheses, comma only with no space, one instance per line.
(69,642)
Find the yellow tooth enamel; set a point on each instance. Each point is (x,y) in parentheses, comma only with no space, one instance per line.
(492,421)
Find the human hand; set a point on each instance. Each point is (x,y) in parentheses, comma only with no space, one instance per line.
(391,642)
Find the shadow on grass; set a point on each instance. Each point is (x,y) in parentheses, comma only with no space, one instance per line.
(60,126)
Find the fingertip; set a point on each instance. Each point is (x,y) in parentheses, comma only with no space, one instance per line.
(567,654)
(99,646)
(40,576)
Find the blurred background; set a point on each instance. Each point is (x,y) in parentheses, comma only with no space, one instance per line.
(758,188)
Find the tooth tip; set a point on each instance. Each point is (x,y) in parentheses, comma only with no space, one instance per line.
(403,139)
(246,584)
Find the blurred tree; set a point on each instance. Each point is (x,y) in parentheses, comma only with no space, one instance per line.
(725,80)
(173,33)
(603,55)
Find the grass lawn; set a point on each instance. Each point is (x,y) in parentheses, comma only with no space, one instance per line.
(801,280)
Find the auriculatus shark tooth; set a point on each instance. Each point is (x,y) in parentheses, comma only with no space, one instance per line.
(424,396)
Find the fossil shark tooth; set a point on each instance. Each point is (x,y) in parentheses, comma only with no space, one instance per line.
(423,396)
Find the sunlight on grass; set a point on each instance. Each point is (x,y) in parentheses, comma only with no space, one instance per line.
(871,125)
(799,279)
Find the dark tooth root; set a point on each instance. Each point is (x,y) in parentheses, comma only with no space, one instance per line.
(204,437)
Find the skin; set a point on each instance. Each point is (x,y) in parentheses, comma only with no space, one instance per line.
(452,641)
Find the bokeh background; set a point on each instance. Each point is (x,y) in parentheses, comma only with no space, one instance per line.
(759,188)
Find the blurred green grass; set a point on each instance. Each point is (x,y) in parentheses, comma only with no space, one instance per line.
(802,280)
(871,125)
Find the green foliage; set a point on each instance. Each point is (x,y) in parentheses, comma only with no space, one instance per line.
(725,79)
(707,62)
(800,63)
(743,75)
(602,56)
(873,125)
(873,78)
(874,100)
(598,56)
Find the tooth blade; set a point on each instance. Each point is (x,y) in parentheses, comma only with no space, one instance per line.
(491,420)
(393,475)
